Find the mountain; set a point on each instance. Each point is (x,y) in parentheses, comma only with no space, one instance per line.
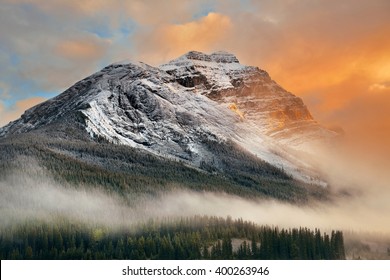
(207,112)
(250,93)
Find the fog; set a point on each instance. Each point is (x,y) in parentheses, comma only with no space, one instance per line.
(24,199)
(359,168)
(363,209)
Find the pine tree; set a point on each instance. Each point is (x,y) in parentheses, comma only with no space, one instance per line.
(227,249)
(29,253)
(205,252)
(254,248)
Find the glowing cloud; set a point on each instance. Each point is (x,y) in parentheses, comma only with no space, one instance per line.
(379,87)
(79,49)
(169,41)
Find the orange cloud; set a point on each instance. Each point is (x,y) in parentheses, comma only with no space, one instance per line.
(169,41)
(161,12)
(79,49)
(379,87)
(10,114)
(341,74)
(334,56)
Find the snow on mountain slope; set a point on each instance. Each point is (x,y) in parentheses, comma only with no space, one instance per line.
(252,94)
(172,109)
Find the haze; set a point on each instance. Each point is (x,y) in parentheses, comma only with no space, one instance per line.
(365,208)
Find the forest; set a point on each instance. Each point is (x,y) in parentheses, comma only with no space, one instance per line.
(135,174)
(198,237)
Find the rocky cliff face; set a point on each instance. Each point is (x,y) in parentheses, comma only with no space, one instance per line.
(250,93)
(173,109)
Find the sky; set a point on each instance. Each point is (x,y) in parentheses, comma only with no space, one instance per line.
(334,54)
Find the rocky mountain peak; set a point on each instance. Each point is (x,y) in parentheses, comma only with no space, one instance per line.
(218,57)
(247,91)
(173,108)
(224,57)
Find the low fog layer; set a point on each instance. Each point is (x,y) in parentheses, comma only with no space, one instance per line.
(25,199)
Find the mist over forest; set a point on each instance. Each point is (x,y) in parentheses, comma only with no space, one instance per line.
(358,211)
(100,185)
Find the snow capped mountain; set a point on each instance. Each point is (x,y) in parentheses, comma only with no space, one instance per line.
(250,93)
(172,109)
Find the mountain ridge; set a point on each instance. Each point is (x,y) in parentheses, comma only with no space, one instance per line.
(170,110)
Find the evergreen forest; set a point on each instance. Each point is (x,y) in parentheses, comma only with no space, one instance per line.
(198,237)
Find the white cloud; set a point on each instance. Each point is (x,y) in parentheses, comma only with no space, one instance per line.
(379,87)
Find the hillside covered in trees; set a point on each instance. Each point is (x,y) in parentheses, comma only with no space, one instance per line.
(134,173)
(198,237)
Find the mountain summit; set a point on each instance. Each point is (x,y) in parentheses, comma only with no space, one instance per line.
(250,92)
(175,110)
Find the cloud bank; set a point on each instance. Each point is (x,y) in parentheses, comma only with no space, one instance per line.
(23,198)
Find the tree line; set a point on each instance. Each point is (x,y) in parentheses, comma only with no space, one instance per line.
(199,237)
(135,173)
